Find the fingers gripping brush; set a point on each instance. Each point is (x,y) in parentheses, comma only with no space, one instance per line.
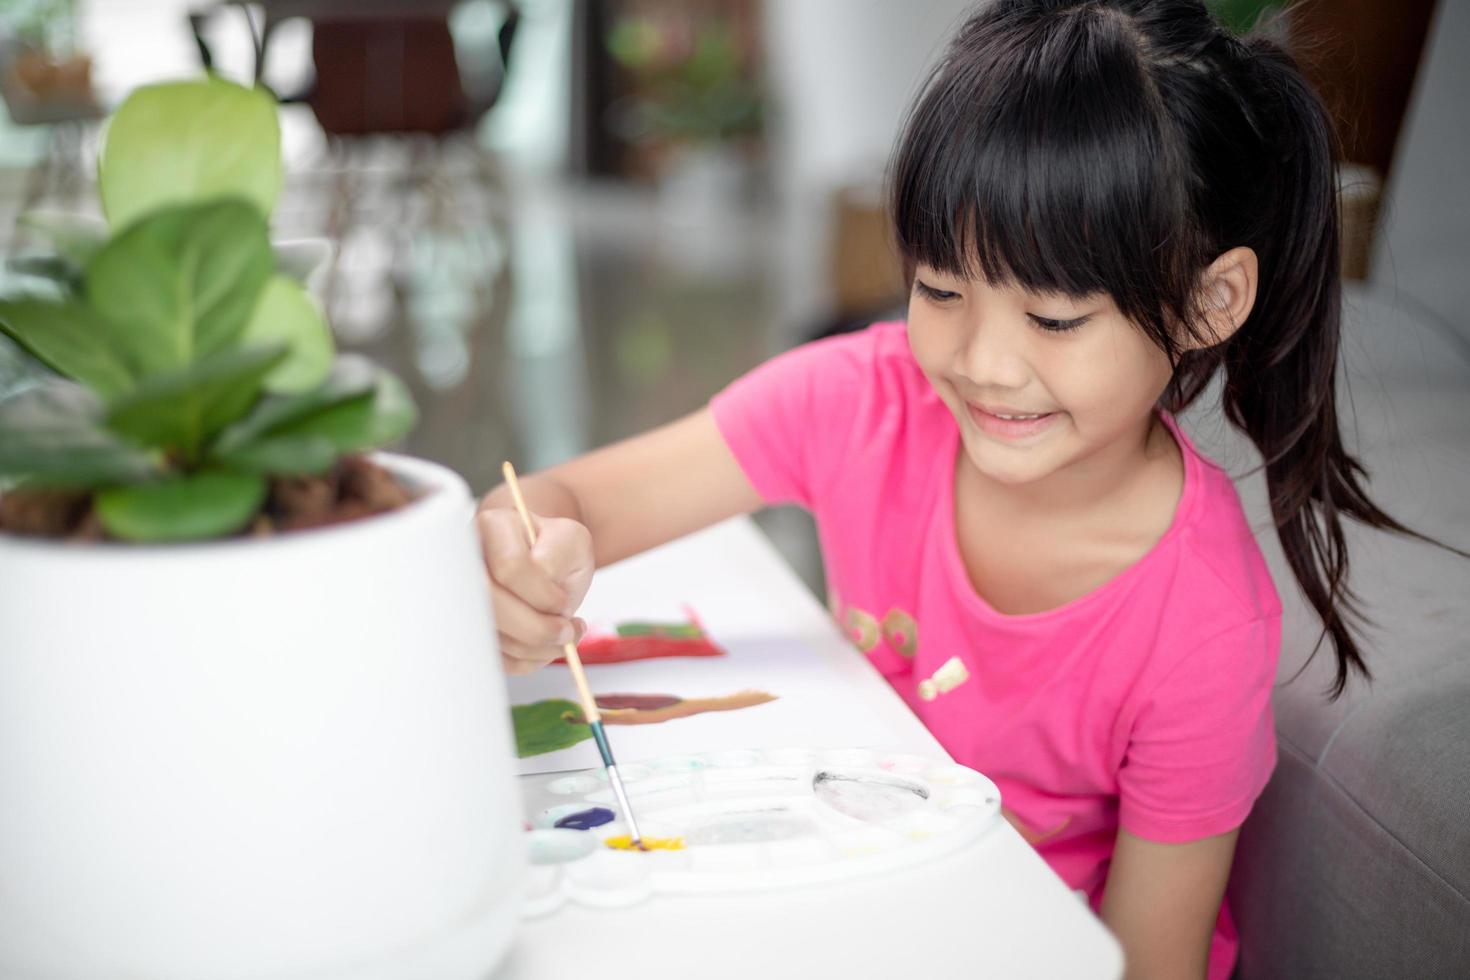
(589,703)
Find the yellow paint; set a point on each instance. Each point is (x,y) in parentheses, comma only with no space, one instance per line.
(625,843)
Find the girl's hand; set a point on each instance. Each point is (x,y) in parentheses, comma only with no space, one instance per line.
(630,496)
(535,590)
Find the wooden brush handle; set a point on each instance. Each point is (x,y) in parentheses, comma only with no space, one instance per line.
(574,660)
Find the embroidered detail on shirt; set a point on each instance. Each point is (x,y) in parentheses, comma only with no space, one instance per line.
(863,629)
(951,674)
(901,632)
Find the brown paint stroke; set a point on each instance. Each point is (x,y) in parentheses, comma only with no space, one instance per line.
(638,702)
(685,708)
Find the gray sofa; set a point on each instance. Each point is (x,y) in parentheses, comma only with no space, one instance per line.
(1355,863)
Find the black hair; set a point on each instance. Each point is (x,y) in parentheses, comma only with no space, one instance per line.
(1079,147)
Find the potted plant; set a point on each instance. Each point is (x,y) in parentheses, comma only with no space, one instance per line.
(43,77)
(230,746)
(694,110)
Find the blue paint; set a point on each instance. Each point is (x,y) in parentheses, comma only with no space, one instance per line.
(586,819)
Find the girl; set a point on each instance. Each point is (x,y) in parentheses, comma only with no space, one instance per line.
(1101,205)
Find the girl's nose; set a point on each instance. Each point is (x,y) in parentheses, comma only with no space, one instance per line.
(991,357)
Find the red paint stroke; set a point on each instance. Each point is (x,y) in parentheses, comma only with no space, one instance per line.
(647,641)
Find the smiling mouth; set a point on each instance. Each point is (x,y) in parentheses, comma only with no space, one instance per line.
(1009,424)
(1007,412)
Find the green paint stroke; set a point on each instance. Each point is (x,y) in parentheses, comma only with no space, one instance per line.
(546,726)
(683,631)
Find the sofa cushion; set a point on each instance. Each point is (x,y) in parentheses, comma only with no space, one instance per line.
(1323,890)
(1403,756)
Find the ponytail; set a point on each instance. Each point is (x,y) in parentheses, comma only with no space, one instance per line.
(1281,366)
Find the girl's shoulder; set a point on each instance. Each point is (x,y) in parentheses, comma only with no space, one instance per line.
(849,385)
(1226,560)
(879,349)
(832,415)
(874,365)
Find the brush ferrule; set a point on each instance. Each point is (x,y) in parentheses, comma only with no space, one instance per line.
(616,779)
(599,735)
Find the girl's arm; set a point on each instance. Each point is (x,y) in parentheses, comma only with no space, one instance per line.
(643,491)
(1162,901)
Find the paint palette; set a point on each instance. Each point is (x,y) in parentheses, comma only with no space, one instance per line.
(749,820)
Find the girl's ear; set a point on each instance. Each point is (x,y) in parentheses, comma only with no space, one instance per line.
(1228,293)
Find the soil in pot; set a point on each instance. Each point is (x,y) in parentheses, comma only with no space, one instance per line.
(354,488)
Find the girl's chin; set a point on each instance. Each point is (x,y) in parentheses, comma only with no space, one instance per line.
(1003,465)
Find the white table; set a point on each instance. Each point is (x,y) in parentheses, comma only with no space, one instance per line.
(1019,920)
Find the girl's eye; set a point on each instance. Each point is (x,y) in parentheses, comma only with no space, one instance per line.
(1057,326)
(929,292)
(1046,323)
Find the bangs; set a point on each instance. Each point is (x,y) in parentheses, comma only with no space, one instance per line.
(1034,159)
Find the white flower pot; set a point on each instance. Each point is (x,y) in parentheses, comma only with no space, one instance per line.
(286,758)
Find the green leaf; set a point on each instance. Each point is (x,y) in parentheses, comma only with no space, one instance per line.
(351,424)
(546,726)
(77,237)
(70,339)
(188,508)
(184,409)
(358,425)
(312,442)
(351,377)
(53,436)
(182,283)
(186,142)
(286,314)
(284,455)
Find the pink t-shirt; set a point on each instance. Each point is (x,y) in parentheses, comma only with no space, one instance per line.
(1144,704)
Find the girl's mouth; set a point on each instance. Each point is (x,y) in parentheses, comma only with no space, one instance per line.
(1006,423)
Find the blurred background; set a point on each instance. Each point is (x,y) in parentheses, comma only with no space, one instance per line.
(565,221)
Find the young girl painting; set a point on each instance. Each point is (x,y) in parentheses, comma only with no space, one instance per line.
(1102,205)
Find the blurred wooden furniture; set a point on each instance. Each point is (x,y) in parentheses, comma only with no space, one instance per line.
(382,66)
(1362,55)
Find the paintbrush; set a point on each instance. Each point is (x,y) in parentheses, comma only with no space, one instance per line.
(574,661)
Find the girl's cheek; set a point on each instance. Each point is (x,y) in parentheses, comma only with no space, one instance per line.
(927,349)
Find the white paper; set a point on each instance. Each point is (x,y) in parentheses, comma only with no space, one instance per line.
(776,638)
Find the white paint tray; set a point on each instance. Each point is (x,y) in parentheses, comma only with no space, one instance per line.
(751,820)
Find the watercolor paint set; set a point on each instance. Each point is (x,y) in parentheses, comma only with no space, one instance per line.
(748,820)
